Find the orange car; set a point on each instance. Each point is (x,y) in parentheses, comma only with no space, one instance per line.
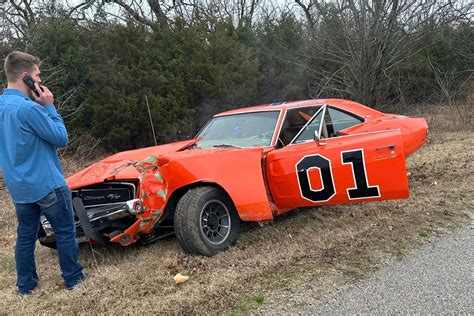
(249,164)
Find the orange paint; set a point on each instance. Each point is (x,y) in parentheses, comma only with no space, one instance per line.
(378,147)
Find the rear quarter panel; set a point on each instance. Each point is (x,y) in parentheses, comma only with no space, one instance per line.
(414,129)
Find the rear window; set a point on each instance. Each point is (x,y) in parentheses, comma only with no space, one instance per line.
(337,120)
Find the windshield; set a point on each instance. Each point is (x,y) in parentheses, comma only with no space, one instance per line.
(240,130)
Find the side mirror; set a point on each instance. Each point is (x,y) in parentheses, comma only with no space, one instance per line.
(317,139)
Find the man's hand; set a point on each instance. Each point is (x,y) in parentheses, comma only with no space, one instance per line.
(45,97)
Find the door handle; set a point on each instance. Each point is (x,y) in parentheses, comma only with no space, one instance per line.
(391,147)
(385,152)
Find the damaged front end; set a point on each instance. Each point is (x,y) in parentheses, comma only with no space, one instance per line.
(121,212)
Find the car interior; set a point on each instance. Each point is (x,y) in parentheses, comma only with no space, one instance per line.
(334,121)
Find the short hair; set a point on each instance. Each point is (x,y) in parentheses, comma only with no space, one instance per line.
(17,62)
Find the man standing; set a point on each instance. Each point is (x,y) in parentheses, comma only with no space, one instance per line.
(30,133)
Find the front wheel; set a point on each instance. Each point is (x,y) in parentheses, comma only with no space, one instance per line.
(206,221)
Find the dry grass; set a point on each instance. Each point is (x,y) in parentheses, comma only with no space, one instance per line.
(330,245)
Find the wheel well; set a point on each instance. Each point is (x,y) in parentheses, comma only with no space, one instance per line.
(178,194)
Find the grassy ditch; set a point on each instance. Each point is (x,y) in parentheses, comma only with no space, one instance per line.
(329,246)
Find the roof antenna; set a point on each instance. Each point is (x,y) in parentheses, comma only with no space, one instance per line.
(151,121)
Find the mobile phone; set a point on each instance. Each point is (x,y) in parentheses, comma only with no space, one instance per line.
(30,83)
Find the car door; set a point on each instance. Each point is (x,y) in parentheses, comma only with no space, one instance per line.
(345,169)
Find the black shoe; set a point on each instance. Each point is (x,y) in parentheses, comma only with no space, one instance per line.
(80,280)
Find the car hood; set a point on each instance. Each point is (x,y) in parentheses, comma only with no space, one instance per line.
(115,167)
(118,167)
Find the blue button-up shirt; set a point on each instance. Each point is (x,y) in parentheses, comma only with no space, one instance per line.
(29,136)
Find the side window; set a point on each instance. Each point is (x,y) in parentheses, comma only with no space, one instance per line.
(308,132)
(295,119)
(337,120)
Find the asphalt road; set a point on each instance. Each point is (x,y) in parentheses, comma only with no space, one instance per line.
(437,279)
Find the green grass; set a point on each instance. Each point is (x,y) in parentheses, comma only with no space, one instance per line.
(426,232)
(7,265)
(248,304)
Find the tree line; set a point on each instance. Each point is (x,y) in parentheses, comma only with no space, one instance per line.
(113,64)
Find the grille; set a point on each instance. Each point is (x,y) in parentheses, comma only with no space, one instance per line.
(108,193)
(100,200)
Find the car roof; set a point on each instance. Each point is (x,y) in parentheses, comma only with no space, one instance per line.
(347,105)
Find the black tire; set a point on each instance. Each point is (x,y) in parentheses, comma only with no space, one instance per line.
(206,221)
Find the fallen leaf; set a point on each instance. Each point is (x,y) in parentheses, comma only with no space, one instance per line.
(179,278)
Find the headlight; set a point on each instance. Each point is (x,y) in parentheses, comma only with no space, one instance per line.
(135,206)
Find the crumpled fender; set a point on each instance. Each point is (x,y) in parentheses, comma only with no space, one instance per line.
(237,171)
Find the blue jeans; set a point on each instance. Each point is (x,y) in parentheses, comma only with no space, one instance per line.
(57,207)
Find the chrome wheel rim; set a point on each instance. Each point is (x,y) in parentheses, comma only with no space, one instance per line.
(215,222)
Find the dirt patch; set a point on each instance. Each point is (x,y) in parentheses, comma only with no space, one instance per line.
(330,246)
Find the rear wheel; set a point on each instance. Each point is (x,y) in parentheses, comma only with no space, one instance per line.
(206,221)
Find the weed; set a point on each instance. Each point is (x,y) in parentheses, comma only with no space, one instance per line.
(248,304)
(7,265)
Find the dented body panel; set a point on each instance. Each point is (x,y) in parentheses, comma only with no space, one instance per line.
(115,167)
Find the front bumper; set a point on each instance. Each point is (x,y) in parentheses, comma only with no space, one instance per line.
(95,224)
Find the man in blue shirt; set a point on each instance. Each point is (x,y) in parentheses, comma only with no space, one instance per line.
(30,133)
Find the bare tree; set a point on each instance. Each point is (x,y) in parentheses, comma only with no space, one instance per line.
(241,12)
(453,87)
(18,16)
(148,12)
(365,40)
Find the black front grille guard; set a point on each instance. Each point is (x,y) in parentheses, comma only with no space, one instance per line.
(163,230)
(89,231)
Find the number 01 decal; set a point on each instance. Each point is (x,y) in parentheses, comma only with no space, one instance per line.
(303,168)
(362,190)
(355,158)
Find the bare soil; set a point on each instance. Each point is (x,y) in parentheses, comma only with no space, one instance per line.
(329,246)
